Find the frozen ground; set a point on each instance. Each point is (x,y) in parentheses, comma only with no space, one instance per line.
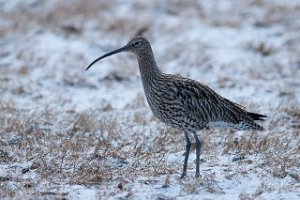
(70,134)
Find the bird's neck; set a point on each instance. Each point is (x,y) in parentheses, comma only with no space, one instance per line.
(148,67)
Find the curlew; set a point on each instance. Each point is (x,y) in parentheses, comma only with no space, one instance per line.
(183,103)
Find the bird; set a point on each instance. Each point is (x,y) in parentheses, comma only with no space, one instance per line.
(183,103)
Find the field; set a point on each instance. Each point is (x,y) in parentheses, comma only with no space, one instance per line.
(67,133)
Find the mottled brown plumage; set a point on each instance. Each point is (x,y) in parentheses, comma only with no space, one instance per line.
(184,103)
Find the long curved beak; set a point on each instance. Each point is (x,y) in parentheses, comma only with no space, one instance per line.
(108,54)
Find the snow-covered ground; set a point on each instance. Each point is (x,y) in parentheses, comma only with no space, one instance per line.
(70,134)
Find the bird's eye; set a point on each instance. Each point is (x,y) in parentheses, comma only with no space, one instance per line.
(136,43)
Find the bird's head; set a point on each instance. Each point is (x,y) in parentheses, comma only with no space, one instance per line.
(137,45)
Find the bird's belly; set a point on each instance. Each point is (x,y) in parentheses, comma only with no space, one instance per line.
(173,116)
(223,124)
(220,124)
(161,114)
(171,113)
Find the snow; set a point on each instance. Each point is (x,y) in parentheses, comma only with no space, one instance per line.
(247,51)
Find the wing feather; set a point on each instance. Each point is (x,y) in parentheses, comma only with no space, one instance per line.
(201,103)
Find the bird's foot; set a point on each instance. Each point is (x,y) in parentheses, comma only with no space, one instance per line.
(183,175)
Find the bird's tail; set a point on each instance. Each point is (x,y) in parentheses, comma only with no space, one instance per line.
(256,116)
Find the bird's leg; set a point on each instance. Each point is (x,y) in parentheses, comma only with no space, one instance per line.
(187,152)
(198,149)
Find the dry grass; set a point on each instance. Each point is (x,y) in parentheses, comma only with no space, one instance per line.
(92,148)
(81,149)
(57,19)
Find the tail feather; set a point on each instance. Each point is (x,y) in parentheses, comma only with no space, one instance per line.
(256,116)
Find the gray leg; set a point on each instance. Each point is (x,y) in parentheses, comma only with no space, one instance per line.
(198,149)
(187,152)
